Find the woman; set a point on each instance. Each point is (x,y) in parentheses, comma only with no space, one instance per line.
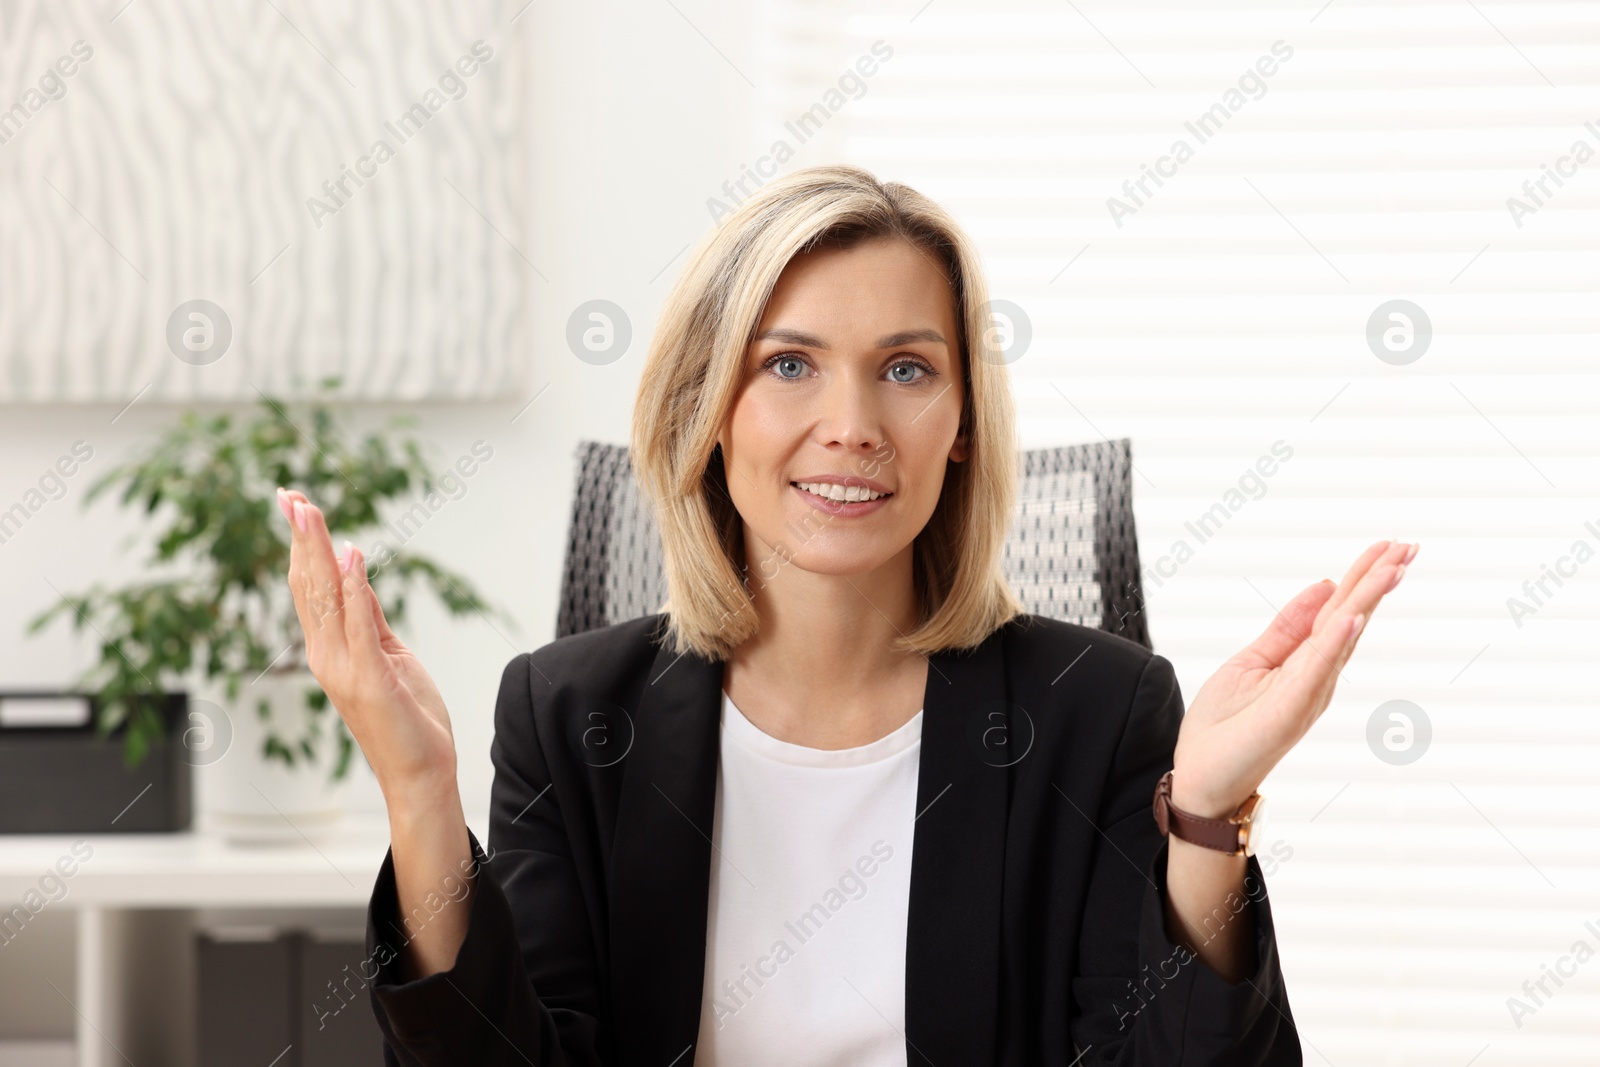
(842,800)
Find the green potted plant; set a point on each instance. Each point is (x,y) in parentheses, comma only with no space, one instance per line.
(221,618)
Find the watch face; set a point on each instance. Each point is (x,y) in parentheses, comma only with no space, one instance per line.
(1254,832)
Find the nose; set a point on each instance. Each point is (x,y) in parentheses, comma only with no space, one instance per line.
(850,414)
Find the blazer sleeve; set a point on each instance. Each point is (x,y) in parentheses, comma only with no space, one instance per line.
(1139,999)
(525,985)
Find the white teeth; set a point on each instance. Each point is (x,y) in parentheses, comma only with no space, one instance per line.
(841,493)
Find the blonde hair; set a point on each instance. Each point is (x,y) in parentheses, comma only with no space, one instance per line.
(693,373)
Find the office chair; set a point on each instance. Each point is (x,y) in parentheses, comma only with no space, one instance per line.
(1071,553)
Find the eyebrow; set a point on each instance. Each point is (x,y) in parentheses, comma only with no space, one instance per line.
(806,340)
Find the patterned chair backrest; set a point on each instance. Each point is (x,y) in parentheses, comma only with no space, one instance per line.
(1071,554)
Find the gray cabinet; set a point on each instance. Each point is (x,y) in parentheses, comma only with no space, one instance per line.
(285,997)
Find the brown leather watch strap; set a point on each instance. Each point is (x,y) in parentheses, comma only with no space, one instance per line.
(1224,835)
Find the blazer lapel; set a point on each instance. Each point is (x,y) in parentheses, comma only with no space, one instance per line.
(957,857)
(661,860)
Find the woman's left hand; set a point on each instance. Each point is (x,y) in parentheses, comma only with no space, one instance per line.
(1250,713)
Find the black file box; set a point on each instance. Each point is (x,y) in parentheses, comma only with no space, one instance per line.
(58,776)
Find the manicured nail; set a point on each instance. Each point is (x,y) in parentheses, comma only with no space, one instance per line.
(283,505)
(1400,572)
(1411,555)
(1355,628)
(300,515)
(348,557)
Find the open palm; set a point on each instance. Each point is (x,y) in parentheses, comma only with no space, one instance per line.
(379,688)
(1259,703)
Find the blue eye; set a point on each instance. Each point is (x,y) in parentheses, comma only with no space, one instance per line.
(790,358)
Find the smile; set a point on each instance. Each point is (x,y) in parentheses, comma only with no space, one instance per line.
(841,493)
(841,500)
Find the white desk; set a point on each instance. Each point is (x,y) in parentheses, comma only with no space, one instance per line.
(135,898)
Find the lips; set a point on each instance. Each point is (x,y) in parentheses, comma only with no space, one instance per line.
(842,508)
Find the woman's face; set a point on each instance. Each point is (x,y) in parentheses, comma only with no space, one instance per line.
(853,380)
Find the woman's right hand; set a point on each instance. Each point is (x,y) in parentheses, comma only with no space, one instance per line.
(380,690)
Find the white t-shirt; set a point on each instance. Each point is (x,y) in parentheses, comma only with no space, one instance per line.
(806,920)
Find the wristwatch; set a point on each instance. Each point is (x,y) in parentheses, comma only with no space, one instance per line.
(1236,835)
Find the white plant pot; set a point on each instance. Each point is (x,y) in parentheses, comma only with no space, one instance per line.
(242,794)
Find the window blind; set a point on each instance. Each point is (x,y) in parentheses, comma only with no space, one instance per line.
(1333,268)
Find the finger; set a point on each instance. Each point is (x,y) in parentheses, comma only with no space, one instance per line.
(1288,629)
(1310,677)
(1334,624)
(1323,696)
(1314,682)
(1375,556)
(319,577)
(360,628)
(1377,583)
(1310,674)
(1362,564)
(385,634)
(297,571)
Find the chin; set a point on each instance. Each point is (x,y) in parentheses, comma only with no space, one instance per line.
(842,560)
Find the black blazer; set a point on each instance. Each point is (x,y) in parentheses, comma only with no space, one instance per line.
(1035,926)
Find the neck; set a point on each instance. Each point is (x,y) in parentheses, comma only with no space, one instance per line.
(822,670)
